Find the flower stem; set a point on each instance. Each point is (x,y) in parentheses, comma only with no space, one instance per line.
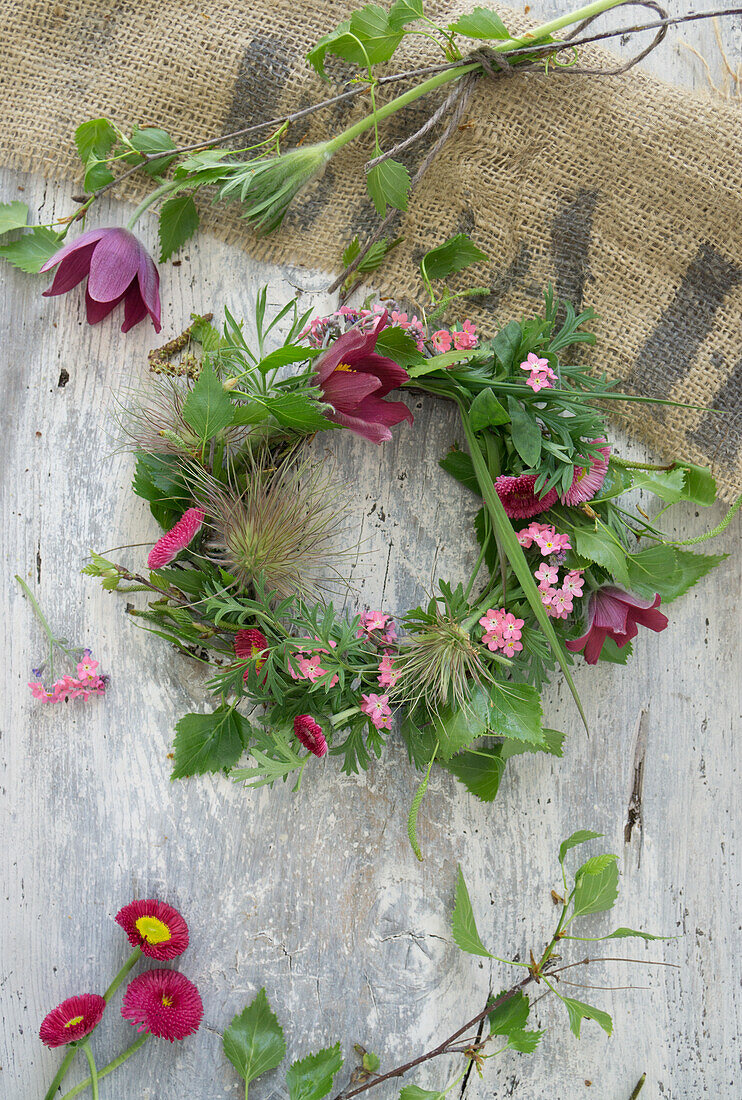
(83,1085)
(128,965)
(93,1070)
(153,197)
(42,619)
(61,1073)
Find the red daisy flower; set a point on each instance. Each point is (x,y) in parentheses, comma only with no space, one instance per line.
(165,1003)
(176,539)
(154,927)
(72,1020)
(248,645)
(519,499)
(310,734)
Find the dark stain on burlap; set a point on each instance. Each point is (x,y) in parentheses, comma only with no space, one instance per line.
(624,193)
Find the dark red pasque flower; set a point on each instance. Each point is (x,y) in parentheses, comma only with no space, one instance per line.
(310,734)
(119,269)
(614,613)
(165,1003)
(155,927)
(519,498)
(354,380)
(72,1020)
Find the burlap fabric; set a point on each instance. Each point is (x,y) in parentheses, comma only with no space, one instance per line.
(624,192)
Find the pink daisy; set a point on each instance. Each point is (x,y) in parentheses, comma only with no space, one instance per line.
(72,1020)
(164,1003)
(519,498)
(377,708)
(310,734)
(176,539)
(158,930)
(588,479)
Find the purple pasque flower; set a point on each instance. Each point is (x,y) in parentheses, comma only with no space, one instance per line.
(615,613)
(119,269)
(354,379)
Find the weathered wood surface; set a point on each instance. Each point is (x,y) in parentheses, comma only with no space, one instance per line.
(317,895)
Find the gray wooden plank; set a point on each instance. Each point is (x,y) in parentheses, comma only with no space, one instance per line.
(90,817)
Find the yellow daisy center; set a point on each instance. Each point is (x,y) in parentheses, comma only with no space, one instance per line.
(74,1021)
(167,1000)
(152,930)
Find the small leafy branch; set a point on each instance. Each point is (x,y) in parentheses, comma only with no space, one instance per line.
(254,1040)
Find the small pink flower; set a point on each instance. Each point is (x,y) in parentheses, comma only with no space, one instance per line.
(466,338)
(533,363)
(547,595)
(492,621)
(493,640)
(587,480)
(511,627)
(400,319)
(377,708)
(573,583)
(525,539)
(561,542)
(165,1003)
(511,647)
(519,498)
(546,575)
(176,539)
(72,1020)
(561,604)
(372,620)
(538,382)
(39,692)
(441,340)
(87,666)
(310,734)
(388,675)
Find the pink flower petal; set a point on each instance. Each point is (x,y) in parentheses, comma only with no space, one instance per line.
(71,271)
(345,390)
(96,311)
(114,264)
(85,239)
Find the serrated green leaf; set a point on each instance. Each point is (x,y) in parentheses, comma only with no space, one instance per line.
(700,485)
(311,1078)
(525,1042)
(178,223)
(96,137)
(414,1092)
(579,1011)
(580,837)
(596,891)
(351,251)
(552,744)
(152,139)
(463,925)
(525,432)
(506,344)
(399,346)
(209,742)
(403,12)
(515,712)
(595,865)
(631,933)
(612,654)
(669,571)
(388,184)
(459,465)
(668,485)
(379,39)
(481,23)
(298,412)
(370,1062)
(602,547)
(31,251)
(480,770)
(97,174)
(487,412)
(13,215)
(443,362)
(254,1041)
(511,1015)
(453,255)
(208,408)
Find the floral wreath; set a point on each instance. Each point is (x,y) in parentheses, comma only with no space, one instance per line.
(566,566)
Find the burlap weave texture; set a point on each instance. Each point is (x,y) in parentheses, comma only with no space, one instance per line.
(623,192)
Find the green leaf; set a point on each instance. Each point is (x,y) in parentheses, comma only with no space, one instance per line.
(515,711)
(13,215)
(669,571)
(372,26)
(351,251)
(298,412)
(511,1015)
(481,23)
(603,547)
(370,1061)
(414,1092)
(525,432)
(178,223)
(311,1078)
(388,183)
(629,933)
(580,837)
(397,344)
(254,1041)
(208,408)
(578,1011)
(552,744)
(459,465)
(209,742)
(480,770)
(443,362)
(487,412)
(157,479)
(152,139)
(455,728)
(453,255)
(596,889)
(463,925)
(282,357)
(403,12)
(97,174)
(95,138)
(668,485)
(32,250)
(700,485)
(613,655)
(506,344)
(525,1042)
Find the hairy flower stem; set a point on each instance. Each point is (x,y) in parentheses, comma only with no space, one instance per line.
(153,197)
(42,619)
(83,1085)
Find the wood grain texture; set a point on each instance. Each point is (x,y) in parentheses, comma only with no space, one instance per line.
(317,895)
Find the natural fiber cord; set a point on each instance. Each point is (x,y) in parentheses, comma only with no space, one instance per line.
(624,192)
